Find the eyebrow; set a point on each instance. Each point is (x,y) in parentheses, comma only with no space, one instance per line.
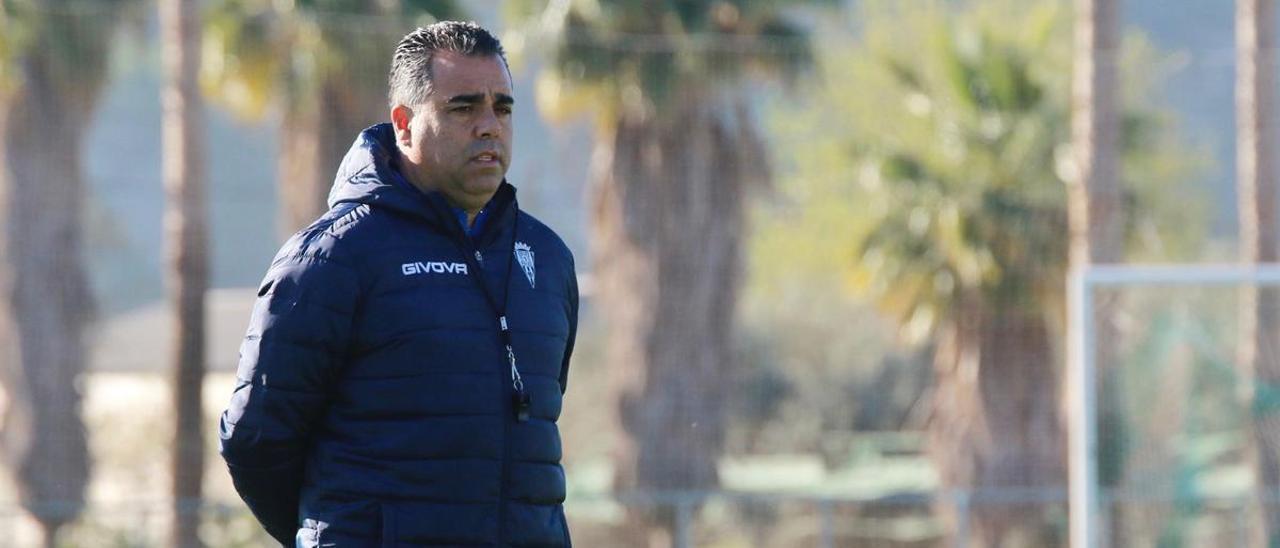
(477,98)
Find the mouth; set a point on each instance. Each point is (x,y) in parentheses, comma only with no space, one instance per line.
(486,158)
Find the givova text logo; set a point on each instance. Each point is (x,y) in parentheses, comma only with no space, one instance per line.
(432,267)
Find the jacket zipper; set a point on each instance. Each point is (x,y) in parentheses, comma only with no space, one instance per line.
(508,410)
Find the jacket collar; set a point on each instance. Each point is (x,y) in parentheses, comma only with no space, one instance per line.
(368,175)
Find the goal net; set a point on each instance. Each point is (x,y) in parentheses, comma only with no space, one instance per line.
(1162,404)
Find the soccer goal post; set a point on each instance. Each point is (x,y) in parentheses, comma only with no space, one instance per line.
(1083,285)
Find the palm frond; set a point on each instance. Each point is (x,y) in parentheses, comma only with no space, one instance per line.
(659,48)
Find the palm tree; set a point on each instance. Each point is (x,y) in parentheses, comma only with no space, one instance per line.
(677,155)
(945,174)
(186,226)
(324,64)
(59,62)
(1256,176)
(1095,206)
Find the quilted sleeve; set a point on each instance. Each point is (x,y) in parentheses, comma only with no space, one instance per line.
(296,340)
(573,328)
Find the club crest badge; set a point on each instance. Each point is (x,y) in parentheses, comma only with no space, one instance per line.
(524,254)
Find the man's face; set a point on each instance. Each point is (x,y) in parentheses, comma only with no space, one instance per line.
(459,141)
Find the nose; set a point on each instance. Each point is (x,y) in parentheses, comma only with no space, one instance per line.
(488,126)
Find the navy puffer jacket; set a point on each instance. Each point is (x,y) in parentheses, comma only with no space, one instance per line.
(374,400)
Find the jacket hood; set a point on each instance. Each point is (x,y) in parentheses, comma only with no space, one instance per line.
(368,176)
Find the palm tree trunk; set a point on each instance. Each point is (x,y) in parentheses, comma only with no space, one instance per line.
(319,127)
(1259,323)
(1095,215)
(668,197)
(10,360)
(47,294)
(186,235)
(304,171)
(994,429)
(1094,207)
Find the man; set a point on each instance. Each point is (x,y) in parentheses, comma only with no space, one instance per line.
(404,366)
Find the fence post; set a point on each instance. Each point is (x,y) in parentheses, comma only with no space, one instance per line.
(827,535)
(1106,507)
(683,512)
(962,505)
(1242,523)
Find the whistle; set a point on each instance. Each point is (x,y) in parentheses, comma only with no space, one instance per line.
(522,404)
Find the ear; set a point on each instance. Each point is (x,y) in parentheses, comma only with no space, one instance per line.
(401,115)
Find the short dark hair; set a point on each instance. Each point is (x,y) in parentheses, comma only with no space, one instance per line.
(410,79)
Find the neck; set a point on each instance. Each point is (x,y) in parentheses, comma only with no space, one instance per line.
(407,174)
(427,188)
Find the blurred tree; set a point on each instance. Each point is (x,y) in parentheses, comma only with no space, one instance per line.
(187,251)
(944,176)
(1259,307)
(1096,217)
(676,156)
(324,63)
(53,64)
